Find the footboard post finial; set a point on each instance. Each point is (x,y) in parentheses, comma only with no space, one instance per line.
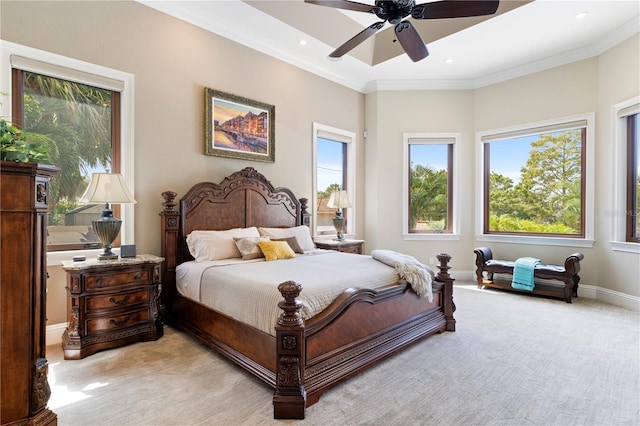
(444,267)
(443,276)
(290,397)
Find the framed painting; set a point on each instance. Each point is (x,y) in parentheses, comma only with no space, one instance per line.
(238,127)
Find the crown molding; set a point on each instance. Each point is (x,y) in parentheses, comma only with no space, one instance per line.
(350,72)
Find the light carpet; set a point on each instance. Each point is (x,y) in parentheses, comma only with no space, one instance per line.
(514,360)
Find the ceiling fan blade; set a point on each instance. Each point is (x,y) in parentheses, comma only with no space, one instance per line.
(411,41)
(454,9)
(357,39)
(343,4)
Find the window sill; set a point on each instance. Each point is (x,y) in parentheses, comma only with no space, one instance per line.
(55,258)
(431,237)
(625,246)
(542,241)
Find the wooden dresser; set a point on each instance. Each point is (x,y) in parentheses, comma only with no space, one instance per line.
(111,303)
(24,202)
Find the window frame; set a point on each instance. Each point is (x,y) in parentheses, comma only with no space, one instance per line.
(619,116)
(588,184)
(349,139)
(632,177)
(18,119)
(38,61)
(452,139)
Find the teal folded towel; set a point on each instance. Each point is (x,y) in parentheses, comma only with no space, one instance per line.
(523,271)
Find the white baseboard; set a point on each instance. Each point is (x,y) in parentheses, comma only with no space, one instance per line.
(54,333)
(584,290)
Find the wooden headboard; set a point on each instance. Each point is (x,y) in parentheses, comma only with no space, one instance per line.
(243,199)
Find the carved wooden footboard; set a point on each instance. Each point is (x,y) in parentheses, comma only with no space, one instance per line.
(358,330)
(305,358)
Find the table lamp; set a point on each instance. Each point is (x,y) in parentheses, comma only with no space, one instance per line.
(108,188)
(339,200)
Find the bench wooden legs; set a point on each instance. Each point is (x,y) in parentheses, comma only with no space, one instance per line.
(571,287)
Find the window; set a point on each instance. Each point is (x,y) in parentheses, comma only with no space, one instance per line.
(83,111)
(633,178)
(77,121)
(626,190)
(334,159)
(536,181)
(428,185)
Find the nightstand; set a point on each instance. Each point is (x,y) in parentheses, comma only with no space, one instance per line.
(346,246)
(111,303)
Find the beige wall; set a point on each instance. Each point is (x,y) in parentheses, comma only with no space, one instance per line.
(173,62)
(592,85)
(395,113)
(618,81)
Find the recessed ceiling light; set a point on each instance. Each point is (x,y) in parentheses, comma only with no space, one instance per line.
(582,15)
(302,42)
(448,61)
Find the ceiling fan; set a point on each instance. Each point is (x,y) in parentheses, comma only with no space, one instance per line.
(394,11)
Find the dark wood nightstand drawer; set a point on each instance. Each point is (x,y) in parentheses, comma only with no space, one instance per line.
(111,303)
(352,249)
(102,281)
(120,300)
(116,322)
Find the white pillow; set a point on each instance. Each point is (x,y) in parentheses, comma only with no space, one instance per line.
(302,234)
(217,245)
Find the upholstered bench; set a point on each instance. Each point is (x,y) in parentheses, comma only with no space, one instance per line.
(568,274)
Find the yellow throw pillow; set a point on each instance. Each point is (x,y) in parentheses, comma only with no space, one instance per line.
(274,250)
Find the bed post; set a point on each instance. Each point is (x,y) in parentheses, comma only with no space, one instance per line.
(290,397)
(305,216)
(447,294)
(170,219)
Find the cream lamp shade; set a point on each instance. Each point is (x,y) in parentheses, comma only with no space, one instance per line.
(339,200)
(107,188)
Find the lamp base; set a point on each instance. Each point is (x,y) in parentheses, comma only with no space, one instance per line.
(107,229)
(107,255)
(338,223)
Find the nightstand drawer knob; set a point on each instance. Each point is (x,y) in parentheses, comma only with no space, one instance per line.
(123,301)
(137,276)
(120,323)
(99,282)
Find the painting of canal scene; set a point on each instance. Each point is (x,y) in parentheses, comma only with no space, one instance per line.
(238,127)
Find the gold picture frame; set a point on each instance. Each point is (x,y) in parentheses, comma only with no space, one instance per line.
(238,127)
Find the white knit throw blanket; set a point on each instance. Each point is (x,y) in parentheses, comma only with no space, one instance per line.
(408,267)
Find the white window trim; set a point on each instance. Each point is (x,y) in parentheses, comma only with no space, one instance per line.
(86,73)
(351,176)
(431,138)
(619,194)
(589,212)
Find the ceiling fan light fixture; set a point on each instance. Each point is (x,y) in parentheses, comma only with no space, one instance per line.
(395,12)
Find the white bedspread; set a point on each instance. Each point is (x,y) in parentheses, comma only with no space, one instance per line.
(248,290)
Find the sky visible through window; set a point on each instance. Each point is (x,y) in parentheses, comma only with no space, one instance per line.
(329,163)
(431,155)
(509,156)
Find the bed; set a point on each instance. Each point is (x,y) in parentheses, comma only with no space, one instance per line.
(302,358)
